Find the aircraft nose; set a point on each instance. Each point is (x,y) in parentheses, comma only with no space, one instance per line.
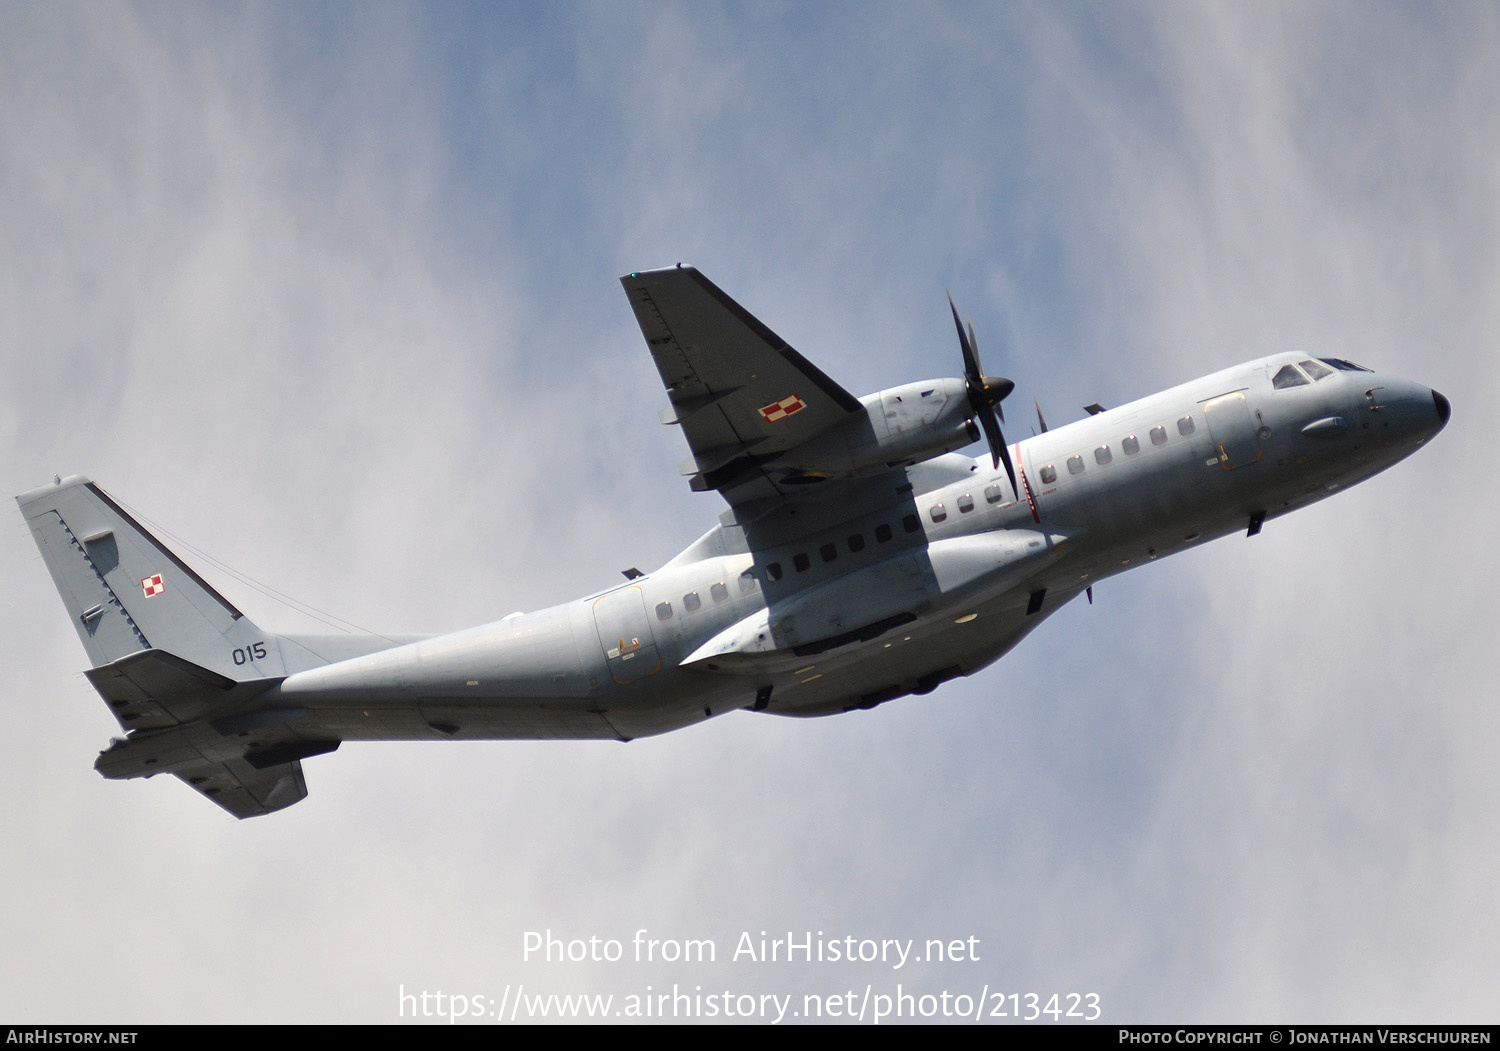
(1443,409)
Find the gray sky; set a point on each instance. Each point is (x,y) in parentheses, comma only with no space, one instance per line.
(332,294)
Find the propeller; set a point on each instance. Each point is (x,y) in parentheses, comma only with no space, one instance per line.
(985,395)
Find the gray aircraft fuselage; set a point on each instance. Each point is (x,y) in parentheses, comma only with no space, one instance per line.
(490,681)
(911,576)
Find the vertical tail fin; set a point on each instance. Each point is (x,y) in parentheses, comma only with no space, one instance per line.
(126,592)
(178,665)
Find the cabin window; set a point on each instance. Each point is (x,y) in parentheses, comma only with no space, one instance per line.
(691,601)
(829,552)
(1313,369)
(882,533)
(1288,376)
(1158,436)
(1075,465)
(800,562)
(747,581)
(773,571)
(992,494)
(965,504)
(856,543)
(937,512)
(911,523)
(663,611)
(1185,425)
(1130,445)
(1049,474)
(1102,455)
(719,592)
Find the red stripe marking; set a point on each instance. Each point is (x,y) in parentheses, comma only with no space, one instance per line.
(1026,485)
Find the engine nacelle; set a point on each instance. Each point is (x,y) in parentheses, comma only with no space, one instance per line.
(900,426)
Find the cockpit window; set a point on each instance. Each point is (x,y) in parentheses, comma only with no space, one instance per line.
(1288,376)
(1313,369)
(1342,365)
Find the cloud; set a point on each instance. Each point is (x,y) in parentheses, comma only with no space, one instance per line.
(334,300)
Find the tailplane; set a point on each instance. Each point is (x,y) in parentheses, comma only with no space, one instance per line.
(179,666)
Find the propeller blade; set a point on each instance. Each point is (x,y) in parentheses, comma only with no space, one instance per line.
(999,451)
(994,389)
(972,371)
(985,395)
(1010,469)
(992,435)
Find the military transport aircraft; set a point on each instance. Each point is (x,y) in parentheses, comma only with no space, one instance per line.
(860,558)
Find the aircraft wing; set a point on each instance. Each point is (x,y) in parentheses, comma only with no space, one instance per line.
(739,392)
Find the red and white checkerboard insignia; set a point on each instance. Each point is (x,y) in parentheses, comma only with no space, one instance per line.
(780,410)
(153,586)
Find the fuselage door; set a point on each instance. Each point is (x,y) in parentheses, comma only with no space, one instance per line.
(1233,430)
(625,635)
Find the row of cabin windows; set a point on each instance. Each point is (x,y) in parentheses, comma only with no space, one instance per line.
(939,512)
(855,543)
(1288,376)
(717,591)
(1130,444)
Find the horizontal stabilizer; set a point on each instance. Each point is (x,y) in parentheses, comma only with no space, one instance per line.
(154,688)
(245,791)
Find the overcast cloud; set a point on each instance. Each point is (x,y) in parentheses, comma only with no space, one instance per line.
(331,293)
